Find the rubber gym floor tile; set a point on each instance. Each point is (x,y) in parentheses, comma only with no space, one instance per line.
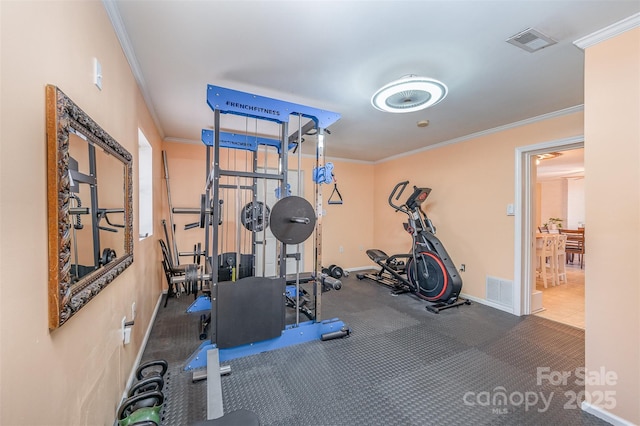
(402,365)
(425,343)
(185,401)
(378,321)
(529,355)
(258,390)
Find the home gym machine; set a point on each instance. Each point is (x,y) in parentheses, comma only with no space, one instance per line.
(94,241)
(427,271)
(248,300)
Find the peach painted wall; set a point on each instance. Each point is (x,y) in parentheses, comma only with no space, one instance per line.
(85,363)
(472,183)
(554,201)
(612,196)
(348,225)
(77,373)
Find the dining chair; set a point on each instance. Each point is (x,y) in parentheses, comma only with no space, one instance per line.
(575,244)
(561,258)
(545,254)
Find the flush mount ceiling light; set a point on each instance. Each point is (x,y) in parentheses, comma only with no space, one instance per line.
(547,156)
(408,94)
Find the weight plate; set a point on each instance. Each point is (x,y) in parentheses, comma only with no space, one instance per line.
(108,256)
(254,216)
(336,272)
(292,220)
(203,208)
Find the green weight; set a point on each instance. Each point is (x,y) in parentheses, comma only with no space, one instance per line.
(146,414)
(130,412)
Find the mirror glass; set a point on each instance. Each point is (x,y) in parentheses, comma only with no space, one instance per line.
(89,204)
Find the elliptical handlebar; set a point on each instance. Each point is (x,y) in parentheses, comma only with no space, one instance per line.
(399,189)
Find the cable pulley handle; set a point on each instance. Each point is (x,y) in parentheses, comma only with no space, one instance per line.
(303,220)
(335,191)
(117,225)
(104,213)
(399,189)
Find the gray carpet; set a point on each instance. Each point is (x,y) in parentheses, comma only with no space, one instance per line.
(471,365)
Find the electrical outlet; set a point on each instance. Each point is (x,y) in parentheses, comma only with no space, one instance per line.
(463,267)
(341,249)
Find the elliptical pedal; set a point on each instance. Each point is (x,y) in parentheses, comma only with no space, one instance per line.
(441,306)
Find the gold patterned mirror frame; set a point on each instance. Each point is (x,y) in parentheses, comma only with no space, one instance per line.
(64,116)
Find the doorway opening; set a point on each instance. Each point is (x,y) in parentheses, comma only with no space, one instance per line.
(526,220)
(558,294)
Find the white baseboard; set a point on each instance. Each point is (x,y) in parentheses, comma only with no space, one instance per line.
(362,268)
(605,415)
(508,309)
(485,302)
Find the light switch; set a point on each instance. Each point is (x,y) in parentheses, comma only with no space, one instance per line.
(510,210)
(97,73)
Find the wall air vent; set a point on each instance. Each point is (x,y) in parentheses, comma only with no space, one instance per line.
(531,40)
(499,291)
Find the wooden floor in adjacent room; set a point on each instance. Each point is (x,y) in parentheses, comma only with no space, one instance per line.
(564,303)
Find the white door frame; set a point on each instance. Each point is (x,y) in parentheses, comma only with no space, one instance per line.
(524,217)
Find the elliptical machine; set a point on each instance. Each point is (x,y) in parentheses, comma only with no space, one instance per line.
(429,272)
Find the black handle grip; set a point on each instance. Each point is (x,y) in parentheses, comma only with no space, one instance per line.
(141,373)
(401,187)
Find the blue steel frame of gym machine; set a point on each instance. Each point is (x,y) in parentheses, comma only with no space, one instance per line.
(229,101)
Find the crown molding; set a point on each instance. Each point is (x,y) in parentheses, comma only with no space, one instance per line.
(524,122)
(119,28)
(183,140)
(606,33)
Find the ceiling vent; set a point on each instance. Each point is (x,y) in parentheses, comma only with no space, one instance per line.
(531,40)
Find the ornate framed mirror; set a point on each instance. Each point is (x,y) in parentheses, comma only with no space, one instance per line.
(90,207)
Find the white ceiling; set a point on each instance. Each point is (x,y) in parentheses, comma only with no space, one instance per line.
(569,164)
(335,54)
